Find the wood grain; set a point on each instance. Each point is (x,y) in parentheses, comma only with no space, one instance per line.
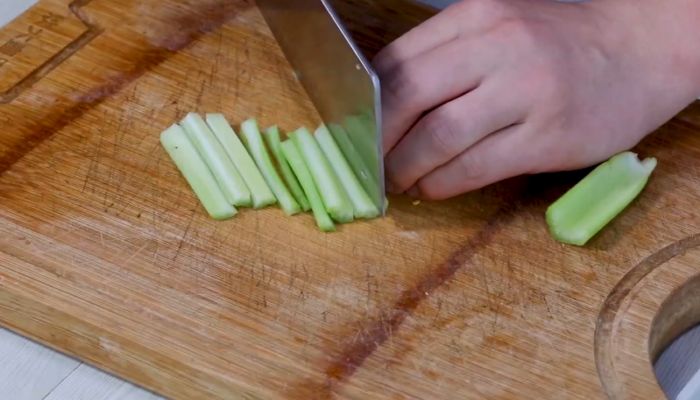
(106,255)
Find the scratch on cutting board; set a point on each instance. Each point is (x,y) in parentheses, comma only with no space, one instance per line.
(136,253)
(184,29)
(109,346)
(410,235)
(369,338)
(183,238)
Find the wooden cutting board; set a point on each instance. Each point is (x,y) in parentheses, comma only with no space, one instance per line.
(106,255)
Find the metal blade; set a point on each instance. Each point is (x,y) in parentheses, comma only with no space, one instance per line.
(339,80)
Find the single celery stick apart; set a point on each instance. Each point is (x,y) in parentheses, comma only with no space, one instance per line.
(274,142)
(256,147)
(334,197)
(362,172)
(196,173)
(261,194)
(212,152)
(361,202)
(595,201)
(301,170)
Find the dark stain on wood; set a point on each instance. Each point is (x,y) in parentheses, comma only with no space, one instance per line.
(185,29)
(350,359)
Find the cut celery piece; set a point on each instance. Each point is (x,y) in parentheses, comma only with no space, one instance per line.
(362,204)
(261,194)
(272,137)
(334,197)
(362,172)
(256,147)
(595,201)
(298,165)
(230,180)
(196,173)
(362,138)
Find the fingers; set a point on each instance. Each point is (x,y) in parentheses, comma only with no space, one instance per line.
(447,132)
(503,155)
(427,81)
(460,20)
(432,33)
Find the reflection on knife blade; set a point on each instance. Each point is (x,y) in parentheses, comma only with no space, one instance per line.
(338,79)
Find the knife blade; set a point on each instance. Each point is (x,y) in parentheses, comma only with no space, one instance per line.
(339,80)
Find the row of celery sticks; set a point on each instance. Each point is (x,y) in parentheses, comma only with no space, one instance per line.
(304,172)
(311,172)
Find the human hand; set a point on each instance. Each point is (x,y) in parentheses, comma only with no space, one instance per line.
(491,89)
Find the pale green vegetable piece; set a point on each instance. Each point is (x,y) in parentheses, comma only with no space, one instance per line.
(196,173)
(363,139)
(361,202)
(301,170)
(595,201)
(261,194)
(212,152)
(274,142)
(362,171)
(256,147)
(334,197)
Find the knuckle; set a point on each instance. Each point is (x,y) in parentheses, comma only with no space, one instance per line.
(399,84)
(521,35)
(472,166)
(546,81)
(383,61)
(511,28)
(443,130)
(518,28)
(484,8)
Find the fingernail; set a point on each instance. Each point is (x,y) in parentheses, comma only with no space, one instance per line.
(413,192)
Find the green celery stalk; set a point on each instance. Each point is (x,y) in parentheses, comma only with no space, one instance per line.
(260,191)
(362,204)
(256,147)
(230,180)
(334,197)
(362,172)
(595,201)
(298,165)
(362,138)
(272,137)
(196,173)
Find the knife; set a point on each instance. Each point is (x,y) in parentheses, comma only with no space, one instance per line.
(339,80)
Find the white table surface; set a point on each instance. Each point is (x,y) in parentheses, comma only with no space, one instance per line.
(9,9)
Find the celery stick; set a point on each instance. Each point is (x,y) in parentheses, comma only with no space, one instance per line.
(360,134)
(298,165)
(272,137)
(256,147)
(230,180)
(334,197)
(362,172)
(362,204)
(260,191)
(590,205)
(196,173)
